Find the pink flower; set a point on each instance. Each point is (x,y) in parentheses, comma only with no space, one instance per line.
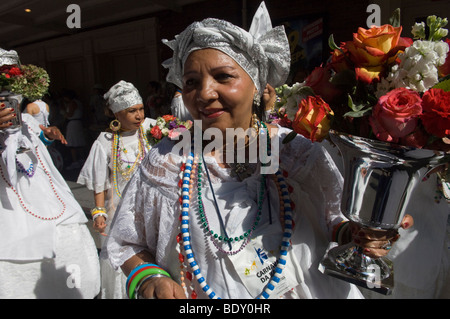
(174,133)
(396,115)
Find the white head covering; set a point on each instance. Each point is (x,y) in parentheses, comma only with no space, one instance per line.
(122,96)
(263,52)
(8,57)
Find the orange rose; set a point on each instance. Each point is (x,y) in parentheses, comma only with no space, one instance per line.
(313,118)
(372,50)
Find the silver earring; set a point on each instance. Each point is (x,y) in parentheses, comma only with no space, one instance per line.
(256,99)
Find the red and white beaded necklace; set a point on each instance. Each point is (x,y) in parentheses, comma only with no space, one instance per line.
(22,202)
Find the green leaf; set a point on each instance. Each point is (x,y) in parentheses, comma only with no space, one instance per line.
(444,85)
(353,106)
(332,44)
(306,91)
(289,137)
(394,20)
(360,113)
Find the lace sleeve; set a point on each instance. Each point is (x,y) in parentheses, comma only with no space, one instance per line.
(311,166)
(146,213)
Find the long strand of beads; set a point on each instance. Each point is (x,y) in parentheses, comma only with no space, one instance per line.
(21,169)
(22,202)
(245,237)
(114,159)
(185,232)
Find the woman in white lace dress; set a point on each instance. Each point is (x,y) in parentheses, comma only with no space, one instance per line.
(113,159)
(193,226)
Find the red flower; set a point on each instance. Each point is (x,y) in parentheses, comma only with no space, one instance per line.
(444,69)
(156,132)
(436,112)
(319,81)
(14,71)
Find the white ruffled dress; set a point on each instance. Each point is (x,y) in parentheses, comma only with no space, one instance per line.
(46,250)
(148,219)
(96,175)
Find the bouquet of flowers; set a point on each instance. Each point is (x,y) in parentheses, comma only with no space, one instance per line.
(166,125)
(8,73)
(380,86)
(28,80)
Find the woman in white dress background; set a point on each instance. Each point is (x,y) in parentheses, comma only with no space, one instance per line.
(46,248)
(113,159)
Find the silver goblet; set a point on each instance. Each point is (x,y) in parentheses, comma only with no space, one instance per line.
(379,178)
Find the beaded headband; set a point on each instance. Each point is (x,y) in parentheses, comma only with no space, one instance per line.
(122,96)
(263,52)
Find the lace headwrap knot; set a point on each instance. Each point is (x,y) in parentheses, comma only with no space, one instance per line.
(263,52)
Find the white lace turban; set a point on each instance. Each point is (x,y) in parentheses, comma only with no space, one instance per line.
(8,57)
(122,96)
(263,52)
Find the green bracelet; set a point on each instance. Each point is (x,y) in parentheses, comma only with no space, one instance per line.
(141,275)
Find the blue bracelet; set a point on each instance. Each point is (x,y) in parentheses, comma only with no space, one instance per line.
(136,269)
(44,140)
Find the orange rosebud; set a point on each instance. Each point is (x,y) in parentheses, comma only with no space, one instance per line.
(313,118)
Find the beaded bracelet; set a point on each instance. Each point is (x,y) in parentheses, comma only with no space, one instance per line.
(139,273)
(139,285)
(339,230)
(98,211)
(45,140)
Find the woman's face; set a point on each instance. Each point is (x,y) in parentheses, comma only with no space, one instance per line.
(131,118)
(217,90)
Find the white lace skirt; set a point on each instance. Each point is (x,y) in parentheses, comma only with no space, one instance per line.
(73,273)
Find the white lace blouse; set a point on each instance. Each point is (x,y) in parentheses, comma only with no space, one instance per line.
(96,173)
(148,219)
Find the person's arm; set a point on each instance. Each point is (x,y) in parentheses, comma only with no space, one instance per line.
(149,287)
(99,213)
(32,108)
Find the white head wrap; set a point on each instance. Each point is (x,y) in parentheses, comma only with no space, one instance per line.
(122,96)
(263,52)
(8,57)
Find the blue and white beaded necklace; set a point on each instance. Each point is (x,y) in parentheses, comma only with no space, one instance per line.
(185,233)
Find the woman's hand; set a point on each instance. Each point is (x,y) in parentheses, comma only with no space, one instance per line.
(377,243)
(100,225)
(161,288)
(53,133)
(6,115)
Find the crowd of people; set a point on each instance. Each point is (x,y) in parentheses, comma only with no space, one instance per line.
(182,222)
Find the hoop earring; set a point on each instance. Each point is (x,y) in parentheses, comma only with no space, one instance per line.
(115,125)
